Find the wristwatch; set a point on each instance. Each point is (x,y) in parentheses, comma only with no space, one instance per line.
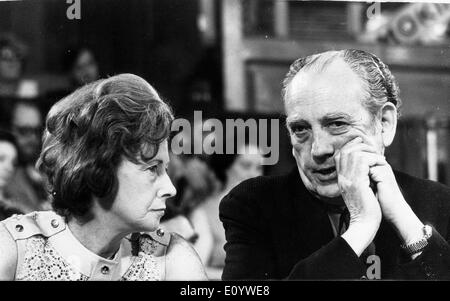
(419,245)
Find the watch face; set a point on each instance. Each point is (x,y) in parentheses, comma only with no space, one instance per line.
(428,231)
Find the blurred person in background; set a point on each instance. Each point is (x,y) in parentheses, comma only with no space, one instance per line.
(28,187)
(13,55)
(105,156)
(194,182)
(12,85)
(81,67)
(8,161)
(230,170)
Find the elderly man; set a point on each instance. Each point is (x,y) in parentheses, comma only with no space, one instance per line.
(342,213)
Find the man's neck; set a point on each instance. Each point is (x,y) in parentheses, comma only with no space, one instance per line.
(336,201)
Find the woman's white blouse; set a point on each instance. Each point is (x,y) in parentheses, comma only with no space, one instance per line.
(47,250)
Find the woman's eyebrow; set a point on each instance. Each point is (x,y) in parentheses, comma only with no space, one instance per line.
(157,161)
(153,162)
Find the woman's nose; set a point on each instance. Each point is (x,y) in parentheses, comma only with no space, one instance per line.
(168,189)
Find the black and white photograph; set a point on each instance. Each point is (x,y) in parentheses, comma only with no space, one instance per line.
(213,141)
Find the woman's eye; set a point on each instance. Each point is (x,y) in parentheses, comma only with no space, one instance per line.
(153,169)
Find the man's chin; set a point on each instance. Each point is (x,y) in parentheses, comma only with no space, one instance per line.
(330,191)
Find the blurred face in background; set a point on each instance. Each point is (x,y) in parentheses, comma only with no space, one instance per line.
(10,64)
(8,160)
(247,165)
(27,127)
(85,69)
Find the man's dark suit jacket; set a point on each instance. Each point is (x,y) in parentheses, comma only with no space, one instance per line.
(275,229)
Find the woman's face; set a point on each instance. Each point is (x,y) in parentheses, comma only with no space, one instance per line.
(247,165)
(85,69)
(8,158)
(143,190)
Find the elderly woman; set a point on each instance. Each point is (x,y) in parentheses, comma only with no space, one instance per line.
(105,155)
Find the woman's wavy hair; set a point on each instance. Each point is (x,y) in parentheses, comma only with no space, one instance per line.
(90,131)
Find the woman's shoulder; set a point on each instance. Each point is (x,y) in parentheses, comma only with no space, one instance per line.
(8,251)
(15,232)
(23,226)
(182,262)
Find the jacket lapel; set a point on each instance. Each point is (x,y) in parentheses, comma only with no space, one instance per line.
(311,228)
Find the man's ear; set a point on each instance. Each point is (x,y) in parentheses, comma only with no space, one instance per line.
(388,123)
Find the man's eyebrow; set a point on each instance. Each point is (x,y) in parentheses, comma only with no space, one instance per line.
(295,118)
(293,121)
(335,116)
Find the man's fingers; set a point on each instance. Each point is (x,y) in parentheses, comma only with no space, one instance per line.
(337,161)
(353,141)
(343,157)
(380,173)
(361,147)
(366,139)
(361,137)
(359,161)
(375,159)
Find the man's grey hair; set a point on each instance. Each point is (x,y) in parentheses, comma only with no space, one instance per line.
(380,83)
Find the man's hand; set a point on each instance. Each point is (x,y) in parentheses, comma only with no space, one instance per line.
(353,163)
(394,207)
(363,156)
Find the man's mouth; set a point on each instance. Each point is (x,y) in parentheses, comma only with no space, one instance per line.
(326,174)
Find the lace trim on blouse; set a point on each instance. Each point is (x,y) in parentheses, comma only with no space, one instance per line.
(42,262)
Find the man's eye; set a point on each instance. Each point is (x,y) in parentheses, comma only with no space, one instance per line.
(338,127)
(337,124)
(299,130)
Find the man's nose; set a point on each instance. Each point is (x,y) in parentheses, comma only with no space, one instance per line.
(322,147)
(167,190)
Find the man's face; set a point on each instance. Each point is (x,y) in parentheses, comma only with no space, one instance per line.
(324,112)
(27,127)
(10,64)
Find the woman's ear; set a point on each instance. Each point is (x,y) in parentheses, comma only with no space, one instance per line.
(388,123)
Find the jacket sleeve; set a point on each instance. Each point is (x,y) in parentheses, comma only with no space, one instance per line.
(250,254)
(431,202)
(433,263)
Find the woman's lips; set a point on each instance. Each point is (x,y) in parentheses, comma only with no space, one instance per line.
(326,174)
(159,211)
